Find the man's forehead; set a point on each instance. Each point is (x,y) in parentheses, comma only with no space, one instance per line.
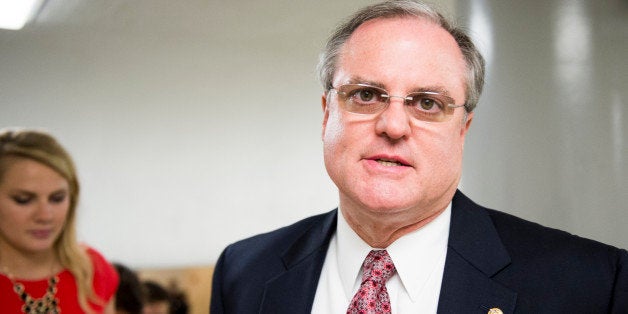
(412,50)
(423,27)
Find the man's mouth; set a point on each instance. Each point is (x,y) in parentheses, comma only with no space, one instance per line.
(390,163)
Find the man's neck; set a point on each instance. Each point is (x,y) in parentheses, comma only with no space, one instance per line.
(382,229)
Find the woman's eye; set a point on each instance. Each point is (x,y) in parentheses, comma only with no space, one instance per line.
(22,199)
(57,198)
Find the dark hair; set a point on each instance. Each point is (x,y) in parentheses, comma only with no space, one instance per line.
(129,296)
(155,292)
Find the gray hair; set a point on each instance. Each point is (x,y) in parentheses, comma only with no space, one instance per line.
(474,82)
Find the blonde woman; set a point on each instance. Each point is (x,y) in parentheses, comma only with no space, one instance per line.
(43,269)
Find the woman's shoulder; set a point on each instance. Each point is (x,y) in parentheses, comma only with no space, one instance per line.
(95,256)
(106,277)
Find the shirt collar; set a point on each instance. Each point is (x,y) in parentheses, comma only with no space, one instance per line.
(415,255)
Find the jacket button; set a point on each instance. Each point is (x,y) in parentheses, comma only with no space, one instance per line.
(495,311)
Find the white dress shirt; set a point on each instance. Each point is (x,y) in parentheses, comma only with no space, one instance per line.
(418,256)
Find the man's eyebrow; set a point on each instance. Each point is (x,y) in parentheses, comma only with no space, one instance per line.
(432,88)
(360,80)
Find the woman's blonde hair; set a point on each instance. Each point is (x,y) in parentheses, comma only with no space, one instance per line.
(42,147)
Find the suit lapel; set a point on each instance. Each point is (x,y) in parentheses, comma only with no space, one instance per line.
(293,291)
(474,255)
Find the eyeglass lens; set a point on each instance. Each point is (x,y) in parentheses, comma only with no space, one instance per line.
(366,99)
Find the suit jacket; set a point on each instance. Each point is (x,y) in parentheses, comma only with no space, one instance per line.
(494,260)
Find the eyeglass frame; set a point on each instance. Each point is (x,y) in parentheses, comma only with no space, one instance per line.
(447,107)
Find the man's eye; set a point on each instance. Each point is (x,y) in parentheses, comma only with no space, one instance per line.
(427,104)
(366,95)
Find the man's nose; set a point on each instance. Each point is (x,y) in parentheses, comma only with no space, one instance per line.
(394,121)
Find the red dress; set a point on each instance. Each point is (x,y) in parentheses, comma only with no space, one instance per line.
(105,285)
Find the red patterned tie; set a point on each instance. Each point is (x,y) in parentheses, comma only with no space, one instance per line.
(372,297)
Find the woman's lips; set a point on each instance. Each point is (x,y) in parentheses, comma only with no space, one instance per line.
(41,234)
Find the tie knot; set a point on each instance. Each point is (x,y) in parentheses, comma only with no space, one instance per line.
(378,266)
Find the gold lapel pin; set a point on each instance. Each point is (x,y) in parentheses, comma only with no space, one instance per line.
(495,310)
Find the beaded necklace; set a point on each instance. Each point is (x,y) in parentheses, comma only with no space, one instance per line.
(48,304)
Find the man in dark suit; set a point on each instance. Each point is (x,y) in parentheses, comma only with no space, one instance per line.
(400,85)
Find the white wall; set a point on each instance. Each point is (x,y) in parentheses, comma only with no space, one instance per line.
(550,140)
(196,123)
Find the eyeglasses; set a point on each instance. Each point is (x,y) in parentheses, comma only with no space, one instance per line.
(370,100)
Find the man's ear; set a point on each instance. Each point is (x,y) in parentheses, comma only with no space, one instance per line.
(467,124)
(325,108)
(464,127)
